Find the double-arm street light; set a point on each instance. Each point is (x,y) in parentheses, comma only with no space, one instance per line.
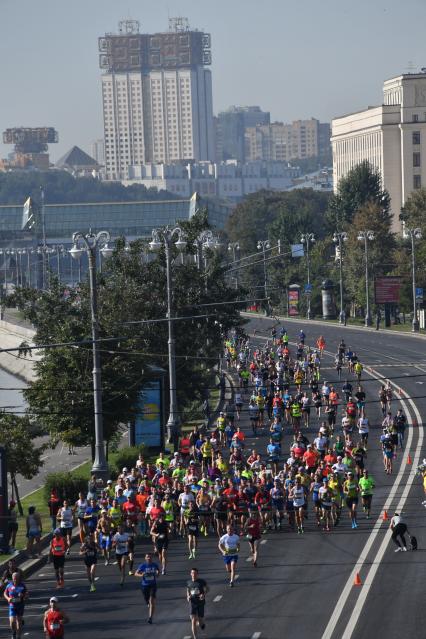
(166,238)
(366,236)
(339,238)
(234,248)
(308,238)
(89,243)
(264,245)
(205,241)
(413,234)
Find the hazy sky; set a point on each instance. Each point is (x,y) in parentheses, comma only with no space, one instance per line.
(297,59)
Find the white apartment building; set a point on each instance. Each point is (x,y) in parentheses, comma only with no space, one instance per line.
(157,97)
(392,137)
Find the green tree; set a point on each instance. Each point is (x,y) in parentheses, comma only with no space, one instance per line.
(361,185)
(22,455)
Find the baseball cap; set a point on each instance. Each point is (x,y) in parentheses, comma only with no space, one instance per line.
(125,469)
(176,454)
(57,531)
(55,599)
(109,481)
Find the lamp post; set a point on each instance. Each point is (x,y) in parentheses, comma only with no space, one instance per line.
(205,240)
(413,234)
(90,242)
(308,238)
(339,238)
(166,238)
(264,245)
(234,248)
(366,236)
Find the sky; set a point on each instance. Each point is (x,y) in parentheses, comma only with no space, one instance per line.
(299,59)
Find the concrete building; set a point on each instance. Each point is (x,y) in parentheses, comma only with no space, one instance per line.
(231,180)
(392,137)
(285,142)
(230,128)
(98,151)
(157,96)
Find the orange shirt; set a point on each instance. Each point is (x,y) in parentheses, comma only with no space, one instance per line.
(310,458)
(57,546)
(141,500)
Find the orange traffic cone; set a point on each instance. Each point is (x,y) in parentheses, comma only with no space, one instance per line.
(385,515)
(357,580)
(409,462)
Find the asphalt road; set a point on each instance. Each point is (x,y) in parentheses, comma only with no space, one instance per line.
(303,585)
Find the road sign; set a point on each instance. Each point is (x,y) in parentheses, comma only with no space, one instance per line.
(297,250)
(308,288)
(419,294)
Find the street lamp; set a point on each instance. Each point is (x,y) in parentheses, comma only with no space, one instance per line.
(366,236)
(167,237)
(308,238)
(339,238)
(205,240)
(234,247)
(264,245)
(90,243)
(413,234)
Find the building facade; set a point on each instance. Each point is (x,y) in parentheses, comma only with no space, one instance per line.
(230,180)
(157,97)
(285,142)
(230,128)
(392,137)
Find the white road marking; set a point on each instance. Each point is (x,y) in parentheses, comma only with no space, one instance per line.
(249,559)
(236,577)
(217,598)
(374,568)
(263,541)
(256,635)
(45,597)
(348,588)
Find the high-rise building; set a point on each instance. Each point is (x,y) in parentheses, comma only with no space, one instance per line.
(157,96)
(392,137)
(98,151)
(230,130)
(284,142)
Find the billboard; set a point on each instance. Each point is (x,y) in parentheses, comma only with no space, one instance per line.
(386,290)
(148,422)
(293,302)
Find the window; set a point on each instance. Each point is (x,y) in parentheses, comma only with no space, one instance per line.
(417,181)
(416,159)
(415,117)
(416,137)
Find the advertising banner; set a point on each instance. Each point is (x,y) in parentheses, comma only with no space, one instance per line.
(148,428)
(386,290)
(293,302)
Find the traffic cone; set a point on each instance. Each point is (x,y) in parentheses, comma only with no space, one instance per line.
(409,462)
(357,580)
(385,515)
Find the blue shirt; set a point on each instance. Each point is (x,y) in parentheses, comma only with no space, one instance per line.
(149,574)
(17,593)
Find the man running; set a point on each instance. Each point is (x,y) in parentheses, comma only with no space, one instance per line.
(366,484)
(53,620)
(229,546)
(149,571)
(120,542)
(89,550)
(15,594)
(196,590)
(58,548)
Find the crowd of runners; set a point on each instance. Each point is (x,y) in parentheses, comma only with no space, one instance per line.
(307,460)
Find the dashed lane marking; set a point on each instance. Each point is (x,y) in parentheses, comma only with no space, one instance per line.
(217,598)
(263,541)
(256,635)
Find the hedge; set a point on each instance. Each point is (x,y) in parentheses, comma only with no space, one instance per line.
(67,486)
(125,457)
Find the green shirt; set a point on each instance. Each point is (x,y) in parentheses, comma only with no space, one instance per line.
(366,484)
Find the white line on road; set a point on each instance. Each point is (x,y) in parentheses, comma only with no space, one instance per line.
(217,598)
(263,541)
(348,588)
(62,597)
(374,568)
(256,635)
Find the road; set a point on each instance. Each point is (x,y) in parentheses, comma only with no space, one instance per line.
(304,584)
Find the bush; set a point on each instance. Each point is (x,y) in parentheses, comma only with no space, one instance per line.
(126,457)
(67,486)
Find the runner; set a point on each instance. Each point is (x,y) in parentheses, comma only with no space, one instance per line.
(103,535)
(160,535)
(252,527)
(351,490)
(196,590)
(58,548)
(65,517)
(120,542)
(15,594)
(366,484)
(229,546)
(297,496)
(149,571)
(54,619)
(89,550)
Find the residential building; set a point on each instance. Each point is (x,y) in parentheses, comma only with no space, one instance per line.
(230,127)
(231,180)
(286,142)
(392,137)
(157,96)
(98,151)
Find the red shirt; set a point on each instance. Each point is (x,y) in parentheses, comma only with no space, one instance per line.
(155,512)
(253,527)
(230,495)
(130,510)
(55,624)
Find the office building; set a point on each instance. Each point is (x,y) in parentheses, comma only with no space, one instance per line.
(392,137)
(286,142)
(157,96)
(230,127)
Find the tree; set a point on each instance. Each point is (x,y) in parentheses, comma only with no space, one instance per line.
(361,185)
(131,294)
(22,456)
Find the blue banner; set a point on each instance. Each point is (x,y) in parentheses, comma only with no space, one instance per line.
(148,419)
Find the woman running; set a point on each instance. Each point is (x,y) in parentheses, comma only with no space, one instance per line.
(89,551)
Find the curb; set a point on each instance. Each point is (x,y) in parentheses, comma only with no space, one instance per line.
(331,324)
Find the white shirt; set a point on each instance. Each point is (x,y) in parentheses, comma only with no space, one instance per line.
(363,425)
(230,542)
(121,543)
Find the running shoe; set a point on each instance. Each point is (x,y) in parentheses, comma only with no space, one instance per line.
(93,588)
